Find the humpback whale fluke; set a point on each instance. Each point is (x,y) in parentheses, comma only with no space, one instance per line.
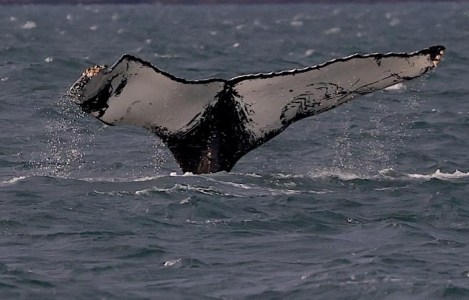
(210,124)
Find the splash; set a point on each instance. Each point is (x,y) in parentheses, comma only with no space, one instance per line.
(67,140)
(375,145)
(69,136)
(345,175)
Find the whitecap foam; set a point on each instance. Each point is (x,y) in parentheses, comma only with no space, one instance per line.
(145,178)
(115,179)
(296,23)
(185,200)
(12,180)
(230,183)
(396,87)
(180,187)
(29,25)
(440,175)
(186,174)
(238,185)
(112,193)
(283,176)
(172,262)
(247,174)
(333,30)
(386,173)
(155,189)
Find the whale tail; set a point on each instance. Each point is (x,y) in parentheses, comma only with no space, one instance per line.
(210,124)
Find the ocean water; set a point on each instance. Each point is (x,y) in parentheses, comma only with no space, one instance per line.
(367,201)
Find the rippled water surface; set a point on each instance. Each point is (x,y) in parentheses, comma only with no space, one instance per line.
(367,201)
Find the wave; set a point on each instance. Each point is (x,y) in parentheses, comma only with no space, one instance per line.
(238,180)
(384,174)
(123,179)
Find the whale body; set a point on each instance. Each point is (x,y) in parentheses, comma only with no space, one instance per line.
(210,124)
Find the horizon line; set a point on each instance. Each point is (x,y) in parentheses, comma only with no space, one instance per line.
(205,2)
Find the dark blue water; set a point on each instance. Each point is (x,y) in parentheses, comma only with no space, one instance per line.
(368,201)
